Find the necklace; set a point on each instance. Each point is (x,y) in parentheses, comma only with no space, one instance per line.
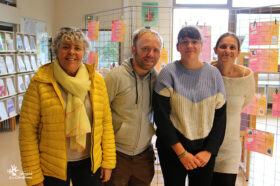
(230,73)
(221,69)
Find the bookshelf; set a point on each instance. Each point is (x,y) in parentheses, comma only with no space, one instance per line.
(18,64)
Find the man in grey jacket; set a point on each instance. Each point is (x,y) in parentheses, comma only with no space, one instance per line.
(130,89)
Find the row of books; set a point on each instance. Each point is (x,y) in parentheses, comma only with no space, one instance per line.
(24,63)
(7,109)
(26,42)
(7,85)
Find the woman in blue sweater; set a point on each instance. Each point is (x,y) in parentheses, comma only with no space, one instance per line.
(190,114)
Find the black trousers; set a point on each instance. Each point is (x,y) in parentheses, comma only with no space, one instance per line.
(174,173)
(222,179)
(79,172)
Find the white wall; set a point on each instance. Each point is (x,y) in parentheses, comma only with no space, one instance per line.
(72,12)
(56,13)
(41,10)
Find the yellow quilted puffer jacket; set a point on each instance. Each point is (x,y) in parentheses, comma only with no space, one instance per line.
(42,127)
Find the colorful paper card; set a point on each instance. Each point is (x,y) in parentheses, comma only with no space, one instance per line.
(19,43)
(93,30)
(3,69)
(163,59)
(33,43)
(3,111)
(20,98)
(2,42)
(257,106)
(11,107)
(26,43)
(149,14)
(9,41)
(259,141)
(264,60)
(118,31)
(27,63)
(276,105)
(10,64)
(205,54)
(3,91)
(33,63)
(10,85)
(93,59)
(264,33)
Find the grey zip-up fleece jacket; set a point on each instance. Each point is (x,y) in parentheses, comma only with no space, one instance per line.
(130,100)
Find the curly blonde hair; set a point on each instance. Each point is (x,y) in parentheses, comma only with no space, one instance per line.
(70,34)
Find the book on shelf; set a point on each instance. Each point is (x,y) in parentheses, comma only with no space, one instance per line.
(32,43)
(2,42)
(9,41)
(26,43)
(10,86)
(21,86)
(20,98)
(27,63)
(3,69)
(3,91)
(3,111)
(11,107)
(10,64)
(33,63)
(19,43)
(27,80)
(21,66)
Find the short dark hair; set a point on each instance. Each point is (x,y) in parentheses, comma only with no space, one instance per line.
(228,34)
(191,32)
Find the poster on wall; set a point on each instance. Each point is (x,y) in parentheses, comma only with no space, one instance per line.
(93,59)
(257,106)
(118,31)
(149,14)
(264,33)
(264,60)
(163,59)
(259,141)
(276,105)
(93,30)
(38,28)
(205,54)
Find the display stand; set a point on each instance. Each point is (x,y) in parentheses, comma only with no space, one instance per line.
(18,63)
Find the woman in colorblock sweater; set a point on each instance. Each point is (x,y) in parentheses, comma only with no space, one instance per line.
(190,114)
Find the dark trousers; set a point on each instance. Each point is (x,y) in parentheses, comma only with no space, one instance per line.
(222,179)
(174,173)
(135,170)
(79,172)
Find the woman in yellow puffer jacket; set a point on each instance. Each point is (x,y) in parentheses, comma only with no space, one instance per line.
(65,130)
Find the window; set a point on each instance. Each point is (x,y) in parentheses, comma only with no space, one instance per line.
(255,3)
(108,52)
(201,2)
